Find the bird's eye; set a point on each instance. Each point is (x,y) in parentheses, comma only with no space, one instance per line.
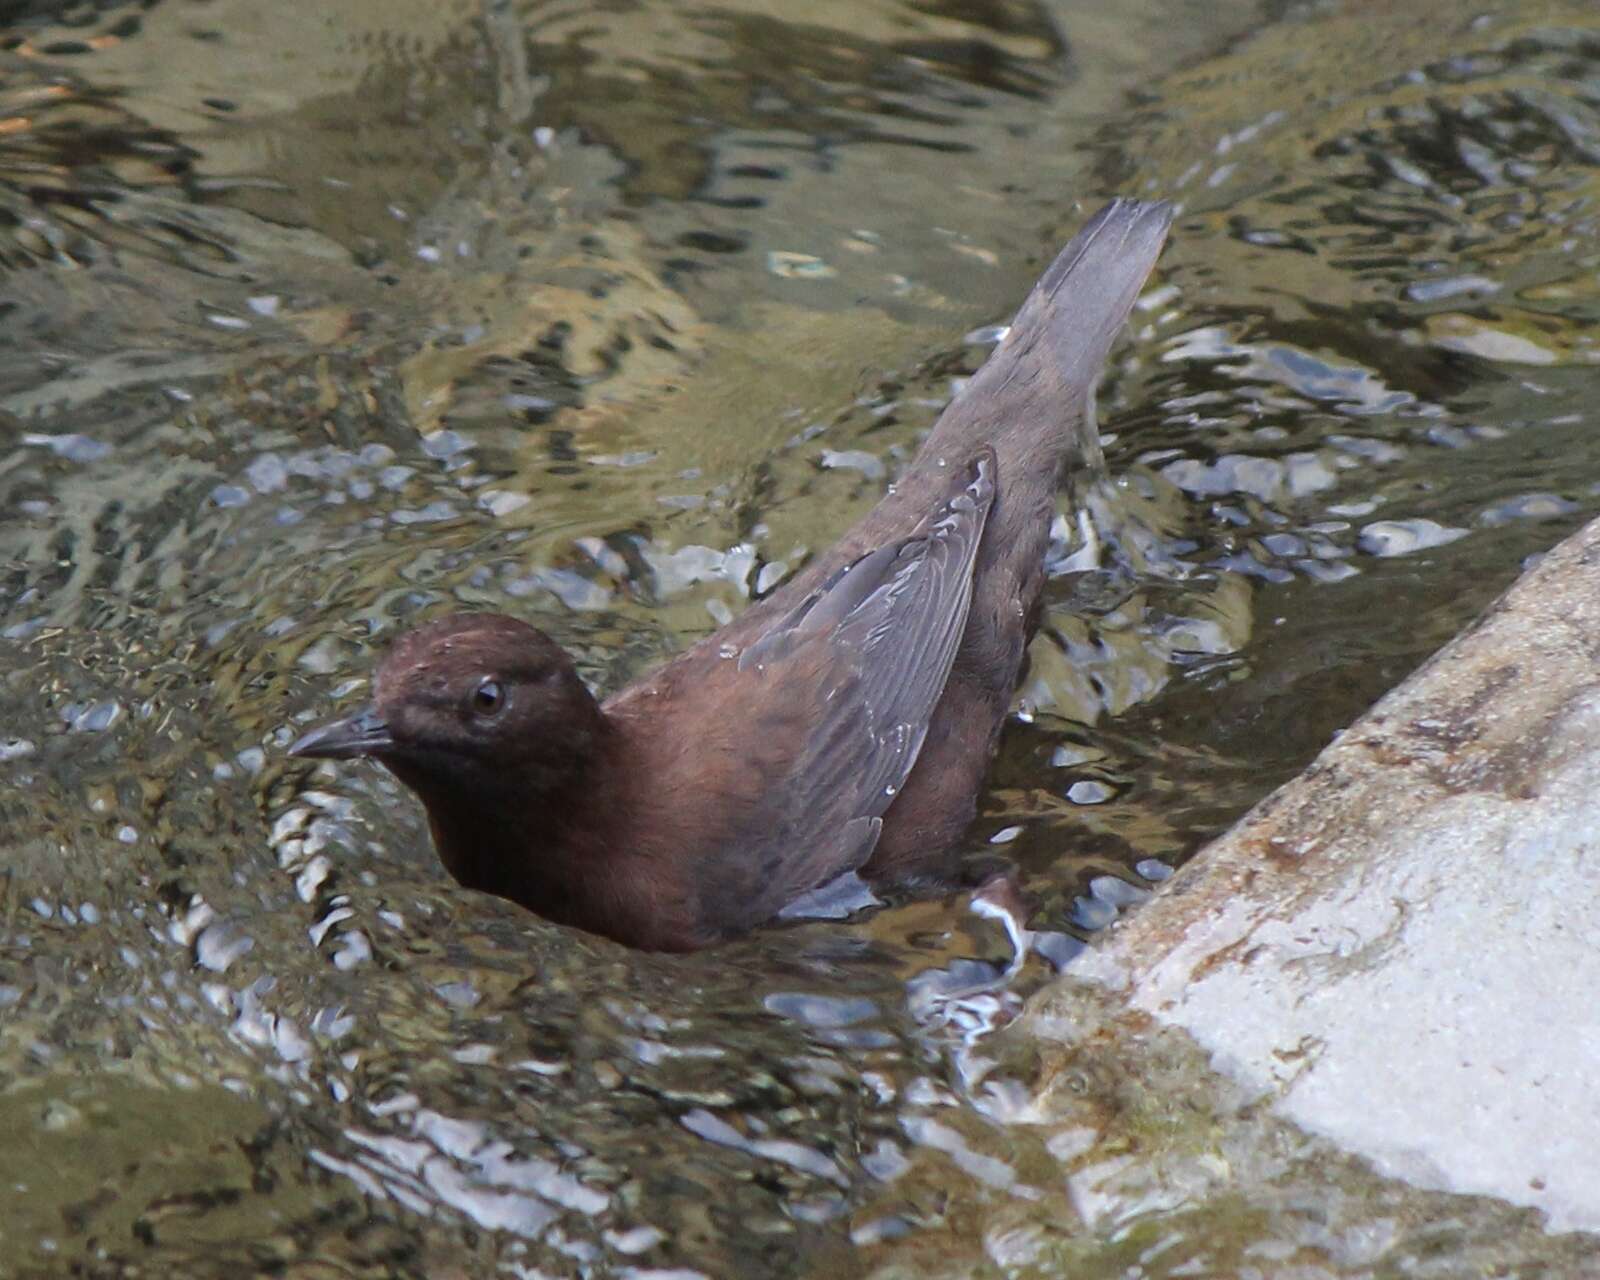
(488,697)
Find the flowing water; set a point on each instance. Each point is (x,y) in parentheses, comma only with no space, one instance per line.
(321,321)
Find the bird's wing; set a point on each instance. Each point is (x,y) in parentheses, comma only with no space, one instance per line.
(862,661)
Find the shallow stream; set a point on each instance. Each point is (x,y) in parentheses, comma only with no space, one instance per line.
(323,320)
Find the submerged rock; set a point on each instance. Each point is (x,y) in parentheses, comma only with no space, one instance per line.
(1396,947)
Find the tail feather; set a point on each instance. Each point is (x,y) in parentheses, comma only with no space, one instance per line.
(1129,232)
(1031,392)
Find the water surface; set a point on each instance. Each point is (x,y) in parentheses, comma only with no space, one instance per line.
(608,317)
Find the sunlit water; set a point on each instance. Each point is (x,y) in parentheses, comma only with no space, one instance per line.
(320,325)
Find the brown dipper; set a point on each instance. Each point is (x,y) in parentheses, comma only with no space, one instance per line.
(843,723)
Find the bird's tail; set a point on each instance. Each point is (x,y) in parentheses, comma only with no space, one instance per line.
(1031,394)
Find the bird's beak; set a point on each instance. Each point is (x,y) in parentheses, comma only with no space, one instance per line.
(364,734)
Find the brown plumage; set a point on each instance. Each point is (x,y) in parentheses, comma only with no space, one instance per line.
(844,723)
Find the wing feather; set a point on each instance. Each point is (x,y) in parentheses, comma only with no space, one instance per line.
(876,643)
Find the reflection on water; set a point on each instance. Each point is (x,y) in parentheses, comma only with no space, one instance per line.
(610,318)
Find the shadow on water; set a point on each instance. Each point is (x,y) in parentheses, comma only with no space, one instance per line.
(609,317)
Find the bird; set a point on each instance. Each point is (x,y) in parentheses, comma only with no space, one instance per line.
(841,726)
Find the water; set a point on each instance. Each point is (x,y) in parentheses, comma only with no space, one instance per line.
(321,325)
